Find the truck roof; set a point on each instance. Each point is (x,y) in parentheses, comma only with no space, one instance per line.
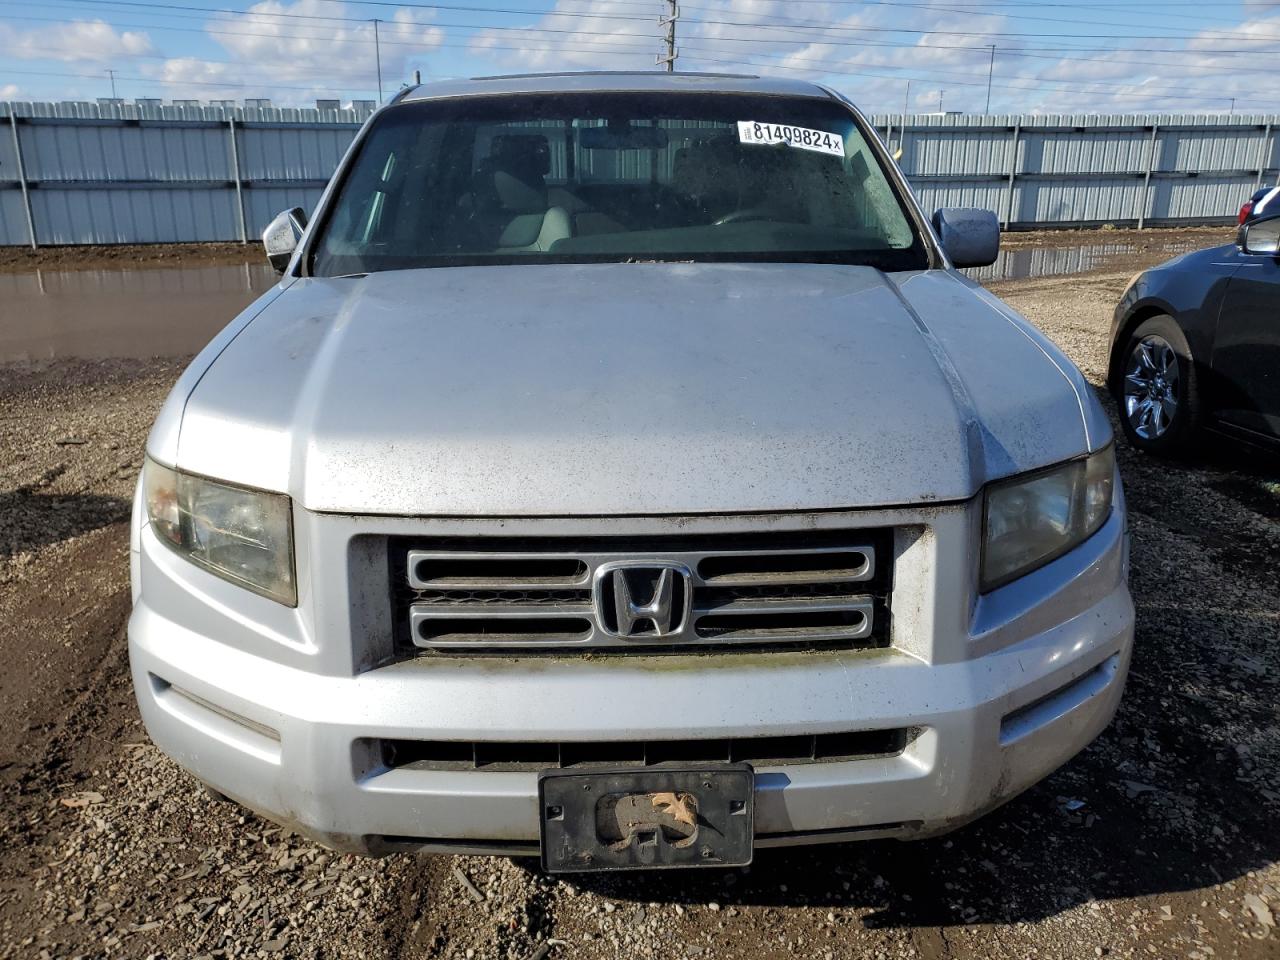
(651,81)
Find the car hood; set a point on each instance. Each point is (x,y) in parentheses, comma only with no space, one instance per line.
(629,389)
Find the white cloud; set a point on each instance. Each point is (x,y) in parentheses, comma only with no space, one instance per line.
(865,54)
(294,59)
(765,36)
(613,36)
(77,40)
(10,91)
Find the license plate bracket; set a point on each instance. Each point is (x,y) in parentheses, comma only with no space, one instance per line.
(627,819)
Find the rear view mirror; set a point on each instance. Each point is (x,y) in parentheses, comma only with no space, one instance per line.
(622,137)
(283,235)
(970,236)
(1261,236)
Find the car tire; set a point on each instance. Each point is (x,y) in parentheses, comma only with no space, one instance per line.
(1158,392)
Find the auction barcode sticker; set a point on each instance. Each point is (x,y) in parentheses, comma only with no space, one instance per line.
(753,131)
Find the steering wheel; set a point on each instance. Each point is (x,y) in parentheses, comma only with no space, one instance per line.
(746,215)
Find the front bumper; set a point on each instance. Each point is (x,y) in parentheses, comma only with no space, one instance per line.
(1044,666)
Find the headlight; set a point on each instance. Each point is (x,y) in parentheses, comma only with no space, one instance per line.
(245,536)
(1035,518)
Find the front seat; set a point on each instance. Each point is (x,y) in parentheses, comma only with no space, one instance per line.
(511,196)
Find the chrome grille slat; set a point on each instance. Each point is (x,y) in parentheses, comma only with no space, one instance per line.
(741,620)
(498,611)
(417,558)
(767,607)
(505,625)
(538,594)
(856,573)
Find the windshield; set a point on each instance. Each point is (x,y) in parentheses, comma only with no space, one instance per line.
(614,177)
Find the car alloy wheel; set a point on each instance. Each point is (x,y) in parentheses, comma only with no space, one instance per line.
(1151,388)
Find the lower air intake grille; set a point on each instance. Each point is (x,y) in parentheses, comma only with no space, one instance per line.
(824,588)
(498,756)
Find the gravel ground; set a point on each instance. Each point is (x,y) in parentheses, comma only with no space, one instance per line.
(1161,840)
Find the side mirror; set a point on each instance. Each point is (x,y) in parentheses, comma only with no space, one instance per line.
(970,236)
(1261,236)
(283,235)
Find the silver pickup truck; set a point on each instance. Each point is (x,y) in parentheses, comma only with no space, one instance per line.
(622,472)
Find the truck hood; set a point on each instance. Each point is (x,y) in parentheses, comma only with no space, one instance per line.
(629,389)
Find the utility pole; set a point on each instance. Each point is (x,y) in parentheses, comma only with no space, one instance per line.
(1230,113)
(668,21)
(990,73)
(941,94)
(906,101)
(112,75)
(377,54)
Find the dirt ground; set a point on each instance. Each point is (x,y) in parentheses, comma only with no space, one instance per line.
(1160,840)
(1141,240)
(23,259)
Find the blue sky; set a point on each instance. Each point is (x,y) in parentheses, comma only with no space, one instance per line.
(1050,56)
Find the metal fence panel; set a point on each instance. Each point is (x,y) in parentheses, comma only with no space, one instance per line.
(1061,170)
(945,152)
(113,153)
(175,215)
(988,194)
(1209,149)
(1052,201)
(1103,152)
(284,153)
(13,221)
(1183,199)
(8,161)
(263,203)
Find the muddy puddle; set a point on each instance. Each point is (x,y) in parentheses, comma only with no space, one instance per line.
(93,314)
(174,311)
(1030,262)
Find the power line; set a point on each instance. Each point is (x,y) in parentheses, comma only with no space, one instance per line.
(371,3)
(791,25)
(400,26)
(756,24)
(270,83)
(827,28)
(606,47)
(1006,84)
(975,9)
(155,80)
(580,35)
(1036,19)
(821,67)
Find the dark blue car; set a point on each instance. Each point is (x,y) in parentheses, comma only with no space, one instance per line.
(1196,343)
(1264,200)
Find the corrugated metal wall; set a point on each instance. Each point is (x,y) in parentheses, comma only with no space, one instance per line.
(142,174)
(146,174)
(1082,170)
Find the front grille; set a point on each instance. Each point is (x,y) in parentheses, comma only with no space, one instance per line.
(496,756)
(822,588)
